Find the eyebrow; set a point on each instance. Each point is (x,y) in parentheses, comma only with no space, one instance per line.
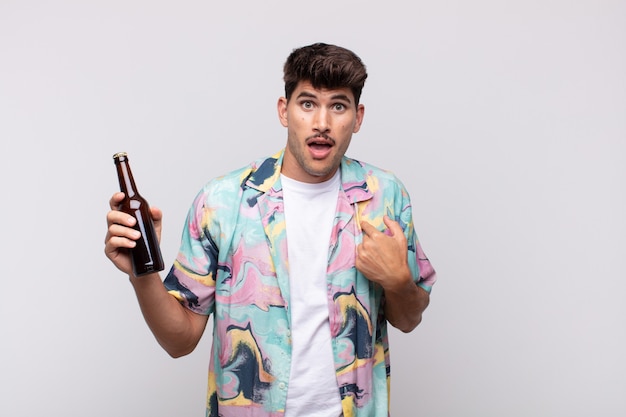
(339,96)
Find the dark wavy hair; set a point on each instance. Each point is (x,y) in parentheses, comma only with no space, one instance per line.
(324,66)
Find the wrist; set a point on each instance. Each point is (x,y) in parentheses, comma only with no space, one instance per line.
(404,284)
(142,280)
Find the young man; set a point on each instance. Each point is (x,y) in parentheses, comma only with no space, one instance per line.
(302,258)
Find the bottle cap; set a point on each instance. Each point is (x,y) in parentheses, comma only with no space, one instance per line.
(120,155)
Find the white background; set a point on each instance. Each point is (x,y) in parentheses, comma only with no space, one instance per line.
(506,120)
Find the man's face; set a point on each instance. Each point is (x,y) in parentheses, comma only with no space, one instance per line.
(320,124)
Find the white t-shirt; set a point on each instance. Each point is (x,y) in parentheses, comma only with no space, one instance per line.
(309,215)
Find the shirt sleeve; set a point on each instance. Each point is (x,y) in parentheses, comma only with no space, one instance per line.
(192,277)
(427,274)
(423,271)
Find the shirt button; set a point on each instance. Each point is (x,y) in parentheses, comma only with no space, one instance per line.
(282,385)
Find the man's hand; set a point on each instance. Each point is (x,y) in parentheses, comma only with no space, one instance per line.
(121,236)
(382,258)
(176,328)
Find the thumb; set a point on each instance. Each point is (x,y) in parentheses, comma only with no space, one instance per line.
(394,228)
(156,213)
(157,217)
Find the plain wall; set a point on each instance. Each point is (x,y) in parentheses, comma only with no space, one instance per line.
(506,120)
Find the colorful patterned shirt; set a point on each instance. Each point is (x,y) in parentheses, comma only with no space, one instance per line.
(233,264)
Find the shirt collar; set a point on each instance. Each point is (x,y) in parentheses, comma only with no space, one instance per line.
(265,176)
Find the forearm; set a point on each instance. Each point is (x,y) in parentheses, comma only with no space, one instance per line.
(176,328)
(404,306)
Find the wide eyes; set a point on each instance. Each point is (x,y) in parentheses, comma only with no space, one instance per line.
(337,107)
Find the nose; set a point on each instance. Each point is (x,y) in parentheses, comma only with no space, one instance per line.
(322,121)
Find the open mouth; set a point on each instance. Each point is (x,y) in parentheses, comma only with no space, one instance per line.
(320,147)
(321,141)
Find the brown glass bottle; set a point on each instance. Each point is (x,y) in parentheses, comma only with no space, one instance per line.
(146,255)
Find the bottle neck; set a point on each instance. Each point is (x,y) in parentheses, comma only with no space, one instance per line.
(125,175)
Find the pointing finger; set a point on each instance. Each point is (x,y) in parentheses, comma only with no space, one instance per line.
(368,229)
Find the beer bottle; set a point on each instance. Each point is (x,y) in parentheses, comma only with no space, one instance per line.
(146,255)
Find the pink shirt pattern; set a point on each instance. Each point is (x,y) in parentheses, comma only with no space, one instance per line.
(233,263)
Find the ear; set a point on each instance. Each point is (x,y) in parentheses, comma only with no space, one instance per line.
(360,112)
(281,106)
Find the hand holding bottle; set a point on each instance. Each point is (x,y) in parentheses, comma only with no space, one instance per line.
(121,236)
(132,241)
